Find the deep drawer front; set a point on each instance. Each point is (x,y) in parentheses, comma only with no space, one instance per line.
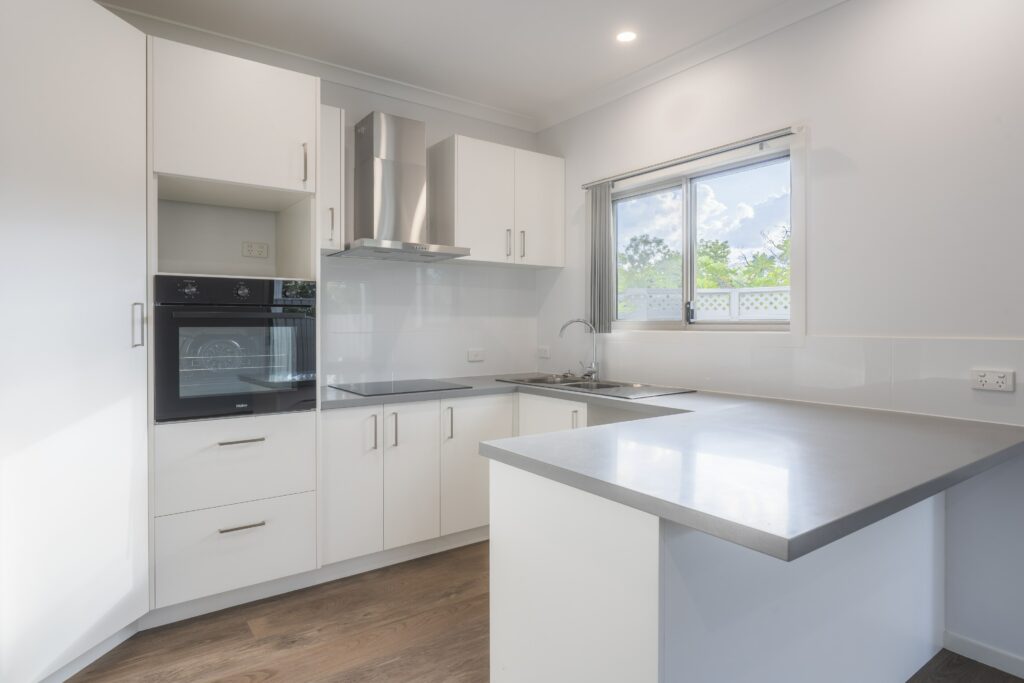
(211,551)
(220,462)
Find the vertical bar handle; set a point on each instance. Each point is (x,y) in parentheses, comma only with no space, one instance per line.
(575,419)
(395,442)
(508,242)
(305,162)
(141,319)
(522,244)
(451,422)
(376,444)
(331,211)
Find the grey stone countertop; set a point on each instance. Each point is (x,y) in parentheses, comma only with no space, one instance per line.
(780,477)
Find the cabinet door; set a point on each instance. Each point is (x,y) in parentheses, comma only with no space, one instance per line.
(542,414)
(540,209)
(485,199)
(465,422)
(330,214)
(224,118)
(74,547)
(411,473)
(351,483)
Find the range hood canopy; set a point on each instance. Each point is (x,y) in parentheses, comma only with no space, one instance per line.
(390,185)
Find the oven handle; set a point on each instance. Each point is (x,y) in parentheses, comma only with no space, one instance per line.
(239,314)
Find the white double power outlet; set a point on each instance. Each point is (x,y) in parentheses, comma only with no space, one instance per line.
(993,380)
(255,249)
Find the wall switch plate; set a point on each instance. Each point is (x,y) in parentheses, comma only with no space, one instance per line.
(543,352)
(255,249)
(474,355)
(993,380)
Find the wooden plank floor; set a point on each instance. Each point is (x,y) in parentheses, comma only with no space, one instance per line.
(949,667)
(423,620)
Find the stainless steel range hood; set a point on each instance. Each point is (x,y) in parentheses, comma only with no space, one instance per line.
(390,211)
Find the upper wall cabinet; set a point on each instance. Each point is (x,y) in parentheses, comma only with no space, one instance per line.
(540,209)
(218,117)
(330,213)
(506,204)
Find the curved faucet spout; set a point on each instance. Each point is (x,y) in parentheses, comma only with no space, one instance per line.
(591,370)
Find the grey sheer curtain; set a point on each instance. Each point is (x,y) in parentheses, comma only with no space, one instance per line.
(602,257)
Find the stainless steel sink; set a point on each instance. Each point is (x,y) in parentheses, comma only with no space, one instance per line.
(547,379)
(569,382)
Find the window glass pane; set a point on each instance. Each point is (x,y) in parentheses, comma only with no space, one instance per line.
(742,229)
(649,255)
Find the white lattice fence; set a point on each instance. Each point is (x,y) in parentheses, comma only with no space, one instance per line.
(753,303)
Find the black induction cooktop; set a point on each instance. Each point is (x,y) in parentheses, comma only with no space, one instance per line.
(403,386)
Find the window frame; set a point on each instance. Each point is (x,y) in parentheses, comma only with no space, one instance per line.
(681,176)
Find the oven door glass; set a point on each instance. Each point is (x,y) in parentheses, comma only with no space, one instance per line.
(225,361)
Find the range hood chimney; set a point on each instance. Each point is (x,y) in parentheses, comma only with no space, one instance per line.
(390,212)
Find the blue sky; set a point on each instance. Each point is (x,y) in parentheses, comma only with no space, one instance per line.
(739,207)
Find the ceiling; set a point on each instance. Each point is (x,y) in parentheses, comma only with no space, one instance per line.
(532,58)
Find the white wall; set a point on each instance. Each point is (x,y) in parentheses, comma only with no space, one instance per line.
(914,111)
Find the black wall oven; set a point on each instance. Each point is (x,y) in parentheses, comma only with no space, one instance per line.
(232,346)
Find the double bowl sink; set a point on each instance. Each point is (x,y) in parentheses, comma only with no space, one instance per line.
(584,385)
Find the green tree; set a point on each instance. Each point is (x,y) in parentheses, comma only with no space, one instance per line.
(643,251)
(713,270)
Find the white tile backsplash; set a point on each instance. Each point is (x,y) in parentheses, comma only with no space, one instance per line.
(392,320)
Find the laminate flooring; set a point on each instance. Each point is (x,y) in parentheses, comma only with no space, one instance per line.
(424,620)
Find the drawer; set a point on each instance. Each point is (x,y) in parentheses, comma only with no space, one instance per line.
(205,552)
(219,462)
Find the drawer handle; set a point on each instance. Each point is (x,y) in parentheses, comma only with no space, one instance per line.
(242,528)
(241,441)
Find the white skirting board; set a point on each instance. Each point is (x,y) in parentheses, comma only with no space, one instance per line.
(339,570)
(986,654)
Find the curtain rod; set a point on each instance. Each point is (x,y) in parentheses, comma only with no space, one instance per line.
(774,135)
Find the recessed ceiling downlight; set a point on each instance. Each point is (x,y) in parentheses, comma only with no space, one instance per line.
(626,37)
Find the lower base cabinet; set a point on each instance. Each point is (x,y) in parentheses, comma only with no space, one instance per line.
(210,551)
(351,483)
(465,479)
(396,474)
(412,471)
(543,414)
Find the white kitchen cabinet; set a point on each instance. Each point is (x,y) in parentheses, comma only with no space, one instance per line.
(543,414)
(505,204)
(208,463)
(330,178)
(223,118)
(74,480)
(540,209)
(351,483)
(210,551)
(411,473)
(465,422)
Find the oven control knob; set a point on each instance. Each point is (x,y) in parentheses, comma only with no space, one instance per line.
(242,291)
(188,289)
